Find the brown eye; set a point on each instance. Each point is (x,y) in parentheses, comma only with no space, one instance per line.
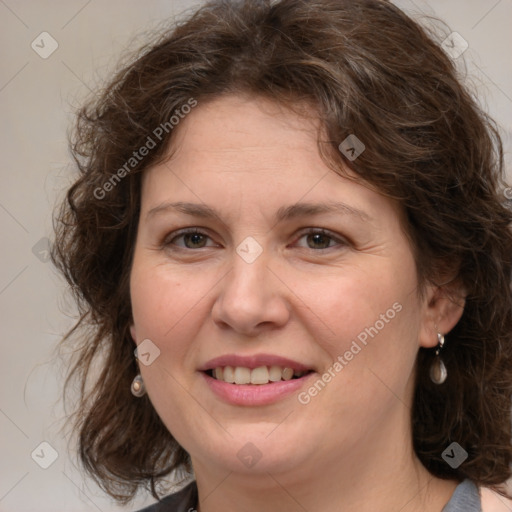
(319,239)
(190,240)
(194,240)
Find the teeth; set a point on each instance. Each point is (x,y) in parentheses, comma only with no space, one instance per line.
(242,375)
(228,374)
(275,373)
(287,373)
(260,375)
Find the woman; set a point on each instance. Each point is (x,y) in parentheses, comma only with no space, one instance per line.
(293,213)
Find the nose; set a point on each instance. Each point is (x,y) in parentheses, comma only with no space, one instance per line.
(252,299)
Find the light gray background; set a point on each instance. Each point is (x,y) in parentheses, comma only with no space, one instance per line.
(37,99)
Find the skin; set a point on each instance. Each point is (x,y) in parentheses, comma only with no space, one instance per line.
(350,447)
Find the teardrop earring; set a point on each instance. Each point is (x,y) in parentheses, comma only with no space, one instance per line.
(137,388)
(438,372)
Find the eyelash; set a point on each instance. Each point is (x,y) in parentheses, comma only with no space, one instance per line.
(309,231)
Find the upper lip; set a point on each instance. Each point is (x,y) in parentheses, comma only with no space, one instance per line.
(252,362)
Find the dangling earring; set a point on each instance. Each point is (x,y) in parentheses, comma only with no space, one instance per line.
(138,389)
(438,372)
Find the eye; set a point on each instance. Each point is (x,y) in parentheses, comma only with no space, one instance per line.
(319,239)
(189,239)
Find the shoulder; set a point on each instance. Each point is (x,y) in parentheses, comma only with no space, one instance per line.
(466,498)
(494,502)
(181,501)
(186,499)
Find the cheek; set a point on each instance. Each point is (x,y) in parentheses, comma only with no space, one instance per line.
(165,310)
(369,317)
(170,307)
(369,330)
(347,304)
(160,300)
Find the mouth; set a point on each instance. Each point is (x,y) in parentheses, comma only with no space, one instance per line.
(259,376)
(257,380)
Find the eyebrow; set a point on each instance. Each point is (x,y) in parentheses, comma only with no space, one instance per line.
(283,213)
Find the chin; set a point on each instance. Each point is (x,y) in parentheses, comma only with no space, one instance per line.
(251,450)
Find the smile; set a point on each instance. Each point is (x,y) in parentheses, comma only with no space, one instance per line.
(258,376)
(256,380)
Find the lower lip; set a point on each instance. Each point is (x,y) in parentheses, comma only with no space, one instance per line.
(255,394)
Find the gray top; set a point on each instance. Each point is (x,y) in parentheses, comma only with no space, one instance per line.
(465,498)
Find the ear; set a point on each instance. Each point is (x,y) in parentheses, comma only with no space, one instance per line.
(441,310)
(133,333)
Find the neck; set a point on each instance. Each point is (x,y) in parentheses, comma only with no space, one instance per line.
(428,494)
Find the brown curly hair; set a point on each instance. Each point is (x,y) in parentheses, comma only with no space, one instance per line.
(369,70)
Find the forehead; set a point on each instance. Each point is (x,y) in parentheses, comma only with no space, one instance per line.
(240,138)
(244,133)
(247,152)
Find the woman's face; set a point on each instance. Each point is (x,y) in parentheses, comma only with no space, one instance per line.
(290,269)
